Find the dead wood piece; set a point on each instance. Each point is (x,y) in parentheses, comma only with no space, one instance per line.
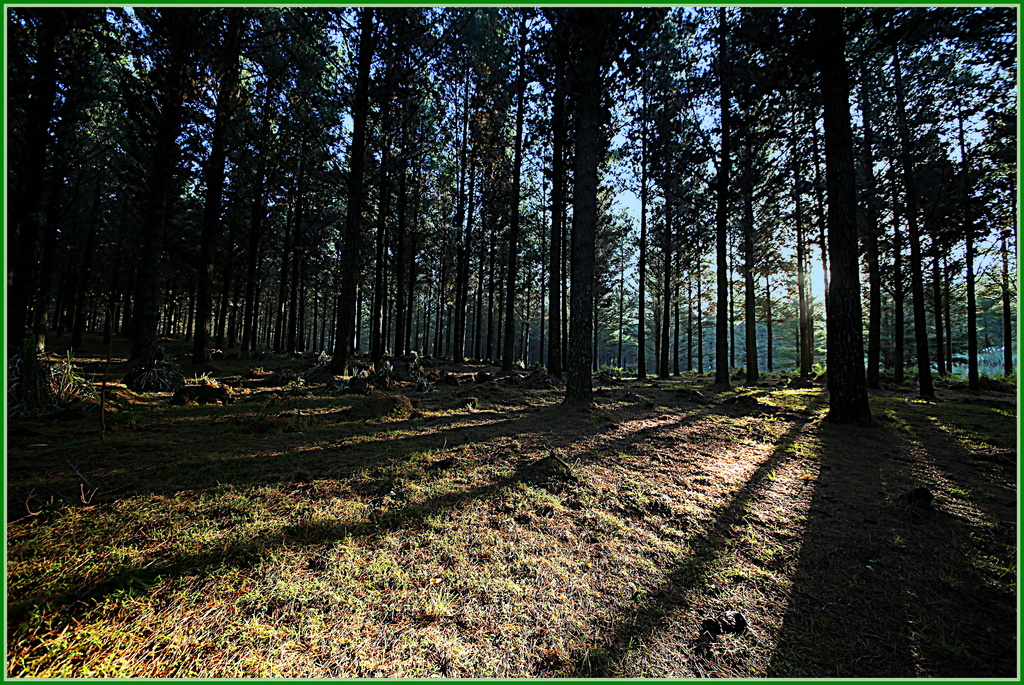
(210,392)
(550,468)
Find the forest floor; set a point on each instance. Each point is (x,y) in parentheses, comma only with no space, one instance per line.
(483,530)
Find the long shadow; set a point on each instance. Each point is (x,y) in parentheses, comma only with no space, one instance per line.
(648,617)
(843,618)
(246,553)
(254,460)
(882,587)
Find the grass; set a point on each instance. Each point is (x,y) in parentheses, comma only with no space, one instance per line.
(417,535)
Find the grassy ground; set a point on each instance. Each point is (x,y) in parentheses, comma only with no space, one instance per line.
(483,530)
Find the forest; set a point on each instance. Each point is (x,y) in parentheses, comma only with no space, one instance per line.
(511,341)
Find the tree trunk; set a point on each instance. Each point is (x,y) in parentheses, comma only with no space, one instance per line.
(592,36)
(675,339)
(749,294)
(848,396)
(508,354)
(721,214)
(871,240)
(1008,366)
(666,291)
(926,388)
(400,256)
(24,200)
(768,323)
(973,379)
(806,320)
(297,258)
(350,267)
(558,138)
(940,343)
(898,291)
(378,303)
(461,225)
(281,319)
(214,172)
(174,74)
(641,327)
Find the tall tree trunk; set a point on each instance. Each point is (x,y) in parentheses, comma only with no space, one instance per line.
(940,343)
(214,172)
(770,346)
(591,39)
(749,294)
(378,304)
(721,213)
(558,138)
(461,225)
(1008,366)
(47,262)
(252,260)
(689,324)
(479,318)
(666,291)
(871,238)
(924,372)
(819,198)
(413,257)
(351,256)
(700,320)
(508,354)
(898,290)
(641,326)
(174,75)
(400,256)
(848,395)
(675,339)
(281,319)
(297,258)
(85,275)
(622,312)
(24,200)
(973,379)
(804,305)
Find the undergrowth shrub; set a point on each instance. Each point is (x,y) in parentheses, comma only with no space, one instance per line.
(162,376)
(36,387)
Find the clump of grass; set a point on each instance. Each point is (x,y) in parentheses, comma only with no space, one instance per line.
(36,387)
(162,376)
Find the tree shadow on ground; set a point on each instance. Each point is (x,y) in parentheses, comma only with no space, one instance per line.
(653,614)
(308,466)
(883,587)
